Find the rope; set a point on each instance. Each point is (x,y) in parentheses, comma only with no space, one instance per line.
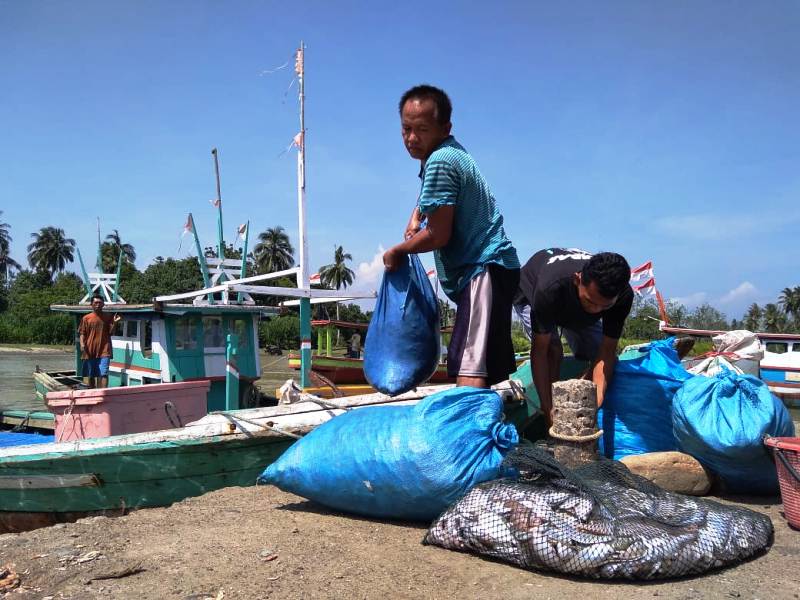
(576,438)
(175,420)
(266,426)
(68,413)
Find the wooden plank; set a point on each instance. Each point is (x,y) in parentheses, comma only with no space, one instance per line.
(47,482)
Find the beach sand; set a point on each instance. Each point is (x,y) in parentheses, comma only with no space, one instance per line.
(259,542)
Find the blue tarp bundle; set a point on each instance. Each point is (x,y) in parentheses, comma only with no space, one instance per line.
(636,416)
(722,420)
(9,438)
(402,346)
(400,462)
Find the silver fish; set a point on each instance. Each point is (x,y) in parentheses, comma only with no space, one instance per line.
(606,529)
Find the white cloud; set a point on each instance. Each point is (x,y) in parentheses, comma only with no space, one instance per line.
(368,274)
(742,292)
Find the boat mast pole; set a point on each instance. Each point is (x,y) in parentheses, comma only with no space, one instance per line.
(99,249)
(86,283)
(220,240)
(243,272)
(303,275)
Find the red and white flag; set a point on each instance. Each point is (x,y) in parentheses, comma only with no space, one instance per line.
(648,288)
(241,231)
(314,278)
(215,202)
(431,273)
(189,225)
(642,272)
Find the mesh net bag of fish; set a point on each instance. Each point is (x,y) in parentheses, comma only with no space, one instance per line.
(598,521)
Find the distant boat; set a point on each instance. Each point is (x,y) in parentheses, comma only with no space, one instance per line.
(348,370)
(780,367)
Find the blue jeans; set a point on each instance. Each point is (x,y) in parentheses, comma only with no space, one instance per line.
(96,367)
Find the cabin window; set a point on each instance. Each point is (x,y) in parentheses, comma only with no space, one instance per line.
(796,347)
(118,329)
(147,339)
(131,329)
(777,347)
(213,334)
(241,329)
(184,334)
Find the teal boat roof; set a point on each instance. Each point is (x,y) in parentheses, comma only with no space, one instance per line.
(158,308)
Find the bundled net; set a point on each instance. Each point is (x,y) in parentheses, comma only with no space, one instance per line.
(597,521)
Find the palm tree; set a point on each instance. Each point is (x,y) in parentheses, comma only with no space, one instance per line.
(50,250)
(790,301)
(774,318)
(128,253)
(6,262)
(752,319)
(337,275)
(274,251)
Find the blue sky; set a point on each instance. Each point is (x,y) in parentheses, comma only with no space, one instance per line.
(663,131)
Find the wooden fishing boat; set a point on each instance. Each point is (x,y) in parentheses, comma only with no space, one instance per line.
(348,370)
(42,484)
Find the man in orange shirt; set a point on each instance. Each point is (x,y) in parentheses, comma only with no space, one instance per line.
(95,337)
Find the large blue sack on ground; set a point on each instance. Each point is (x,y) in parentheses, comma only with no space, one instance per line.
(636,416)
(402,346)
(400,462)
(722,420)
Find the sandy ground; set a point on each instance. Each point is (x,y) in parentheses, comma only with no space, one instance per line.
(259,542)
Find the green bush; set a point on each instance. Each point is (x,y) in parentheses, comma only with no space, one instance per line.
(283,331)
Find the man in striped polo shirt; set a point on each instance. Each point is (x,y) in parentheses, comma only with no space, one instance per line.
(456,216)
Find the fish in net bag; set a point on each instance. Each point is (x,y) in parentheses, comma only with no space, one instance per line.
(598,521)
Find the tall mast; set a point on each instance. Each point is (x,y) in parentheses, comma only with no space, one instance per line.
(301,169)
(302,276)
(218,203)
(99,249)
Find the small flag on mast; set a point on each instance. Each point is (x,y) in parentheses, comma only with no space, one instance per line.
(642,272)
(215,202)
(648,288)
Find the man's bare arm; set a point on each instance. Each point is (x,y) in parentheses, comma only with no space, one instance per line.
(435,235)
(540,368)
(603,369)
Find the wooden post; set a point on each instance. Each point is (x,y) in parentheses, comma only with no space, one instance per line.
(328,340)
(231,373)
(575,422)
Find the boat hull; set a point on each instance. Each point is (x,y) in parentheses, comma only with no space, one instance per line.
(59,488)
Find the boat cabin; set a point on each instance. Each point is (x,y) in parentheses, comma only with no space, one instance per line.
(163,343)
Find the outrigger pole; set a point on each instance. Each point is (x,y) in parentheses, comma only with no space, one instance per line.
(86,283)
(201,259)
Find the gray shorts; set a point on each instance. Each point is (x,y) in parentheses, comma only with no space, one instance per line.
(584,343)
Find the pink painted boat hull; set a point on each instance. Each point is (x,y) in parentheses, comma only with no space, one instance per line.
(93,413)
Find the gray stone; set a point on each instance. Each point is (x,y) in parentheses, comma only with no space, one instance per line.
(673,471)
(574,416)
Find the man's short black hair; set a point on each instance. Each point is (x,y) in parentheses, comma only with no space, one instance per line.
(610,272)
(444,109)
(98,297)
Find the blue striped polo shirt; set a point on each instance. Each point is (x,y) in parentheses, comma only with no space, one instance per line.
(451,177)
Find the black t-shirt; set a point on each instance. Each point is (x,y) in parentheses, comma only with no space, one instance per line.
(547,284)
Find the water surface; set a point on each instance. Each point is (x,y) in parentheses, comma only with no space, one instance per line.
(16,376)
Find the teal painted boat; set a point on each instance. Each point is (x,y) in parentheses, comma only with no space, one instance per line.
(47,483)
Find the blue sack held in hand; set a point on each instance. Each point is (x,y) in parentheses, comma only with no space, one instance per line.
(722,421)
(400,462)
(636,416)
(402,346)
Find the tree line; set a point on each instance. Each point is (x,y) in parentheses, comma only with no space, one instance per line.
(27,293)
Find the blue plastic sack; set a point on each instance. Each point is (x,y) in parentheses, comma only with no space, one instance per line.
(400,462)
(402,346)
(722,420)
(636,416)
